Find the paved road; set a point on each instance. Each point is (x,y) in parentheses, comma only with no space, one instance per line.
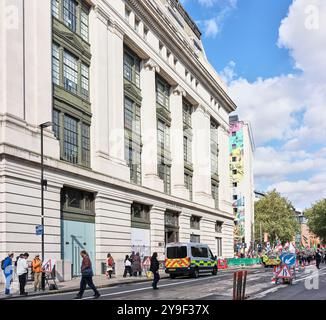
(208,287)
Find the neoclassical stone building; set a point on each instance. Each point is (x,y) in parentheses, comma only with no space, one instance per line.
(137,155)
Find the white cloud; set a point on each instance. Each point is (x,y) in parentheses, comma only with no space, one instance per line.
(211,28)
(273,105)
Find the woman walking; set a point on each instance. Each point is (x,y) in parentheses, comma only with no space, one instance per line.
(155,269)
(87,276)
(109,265)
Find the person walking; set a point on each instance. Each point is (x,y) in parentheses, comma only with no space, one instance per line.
(136,265)
(87,276)
(22,270)
(7,268)
(127,263)
(318,257)
(155,269)
(37,270)
(109,265)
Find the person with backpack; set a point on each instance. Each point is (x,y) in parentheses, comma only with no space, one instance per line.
(109,265)
(87,276)
(6,266)
(22,269)
(37,270)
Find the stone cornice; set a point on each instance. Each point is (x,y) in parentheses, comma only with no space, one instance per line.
(101,14)
(178,90)
(115,28)
(158,22)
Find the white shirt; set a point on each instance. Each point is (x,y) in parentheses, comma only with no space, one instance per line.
(127,263)
(22,266)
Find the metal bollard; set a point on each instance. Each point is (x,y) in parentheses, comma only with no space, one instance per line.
(239,285)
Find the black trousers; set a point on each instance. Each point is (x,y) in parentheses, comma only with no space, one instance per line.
(127,270)
(22,282)
(317,263)
(84,282)
(156,279)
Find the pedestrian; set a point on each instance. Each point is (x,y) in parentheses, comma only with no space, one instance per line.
(37,270)
(136,265)
(318,257)
(7,268)
(109,265)
(155,269)
(87,276)
(22,270)
(127,263)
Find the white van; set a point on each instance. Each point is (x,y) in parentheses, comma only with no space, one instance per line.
(189,259)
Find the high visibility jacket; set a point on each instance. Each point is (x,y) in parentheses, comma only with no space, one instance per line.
(36,265)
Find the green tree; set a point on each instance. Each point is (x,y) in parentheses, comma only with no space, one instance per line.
(316,216)
(274,215)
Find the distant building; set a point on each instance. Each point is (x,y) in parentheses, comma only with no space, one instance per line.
(241,170)
(305,237)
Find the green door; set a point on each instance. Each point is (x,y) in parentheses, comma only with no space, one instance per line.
(78,236)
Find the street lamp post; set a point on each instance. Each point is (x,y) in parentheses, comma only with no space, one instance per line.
(43,184)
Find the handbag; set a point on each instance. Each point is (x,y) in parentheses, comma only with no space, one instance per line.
(87,272)
(149,275)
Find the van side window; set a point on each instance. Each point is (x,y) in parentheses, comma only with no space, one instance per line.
(204,253)
(199,252)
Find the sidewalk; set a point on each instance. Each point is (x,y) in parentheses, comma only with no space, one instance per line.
(100,281)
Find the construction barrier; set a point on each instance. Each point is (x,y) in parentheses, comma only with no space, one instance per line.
(243,261)
(222,264)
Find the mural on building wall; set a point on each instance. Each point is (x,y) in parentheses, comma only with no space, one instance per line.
(236,163)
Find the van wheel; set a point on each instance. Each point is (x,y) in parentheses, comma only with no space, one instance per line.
(172,276)
(214,273)
(196,273)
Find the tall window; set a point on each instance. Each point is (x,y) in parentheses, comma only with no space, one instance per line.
(195,222)
(55,63)
(164,172)
(70,14)
(70,72)
(187,111)
(85,129)
(187,149)
(56,123)
(162,92)
(133,139)
(131,68)
(84,24)
(219,247)
(188,183)
(85,81)
(163,135)
(55,8)
(214,147)
(215,193)
(70,139)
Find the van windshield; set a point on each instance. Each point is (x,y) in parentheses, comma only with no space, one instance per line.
(176,252)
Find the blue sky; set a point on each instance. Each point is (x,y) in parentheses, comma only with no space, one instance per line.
(272,54)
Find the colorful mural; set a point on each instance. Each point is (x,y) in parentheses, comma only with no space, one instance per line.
(237,172)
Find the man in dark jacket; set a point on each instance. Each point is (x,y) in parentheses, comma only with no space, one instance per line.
(155,269)
(87,276)
(318,257)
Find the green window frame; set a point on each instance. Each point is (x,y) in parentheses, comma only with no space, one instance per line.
(131,67)
(163,136)
(85,81)
(133,159)
(74,136)
(70,72)
(164,172)
(162,93)
(55,63)
(84,25)
(70,14)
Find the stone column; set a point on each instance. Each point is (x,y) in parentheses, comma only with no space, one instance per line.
(184,224)
(150,176)
(201,157)
(116,101)
(178,188)
(157,230)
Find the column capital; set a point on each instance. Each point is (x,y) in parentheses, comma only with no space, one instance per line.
(203,110)
(116,29)
(101,14)
(150,65)
(179,91)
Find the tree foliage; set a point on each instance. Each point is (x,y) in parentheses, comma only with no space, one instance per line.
(275,215)
(316,216)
